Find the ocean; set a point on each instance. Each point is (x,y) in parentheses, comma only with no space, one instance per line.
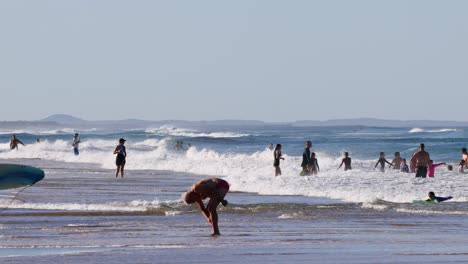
(80,212)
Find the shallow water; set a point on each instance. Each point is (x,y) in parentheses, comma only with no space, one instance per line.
(78,215)
(81,213)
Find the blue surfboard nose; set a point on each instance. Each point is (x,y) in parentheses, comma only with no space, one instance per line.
(14,176)
(36,175)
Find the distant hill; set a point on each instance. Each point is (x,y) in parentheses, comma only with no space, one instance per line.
(63,119)
(370,122)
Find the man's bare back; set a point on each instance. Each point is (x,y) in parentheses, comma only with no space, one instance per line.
(421,158)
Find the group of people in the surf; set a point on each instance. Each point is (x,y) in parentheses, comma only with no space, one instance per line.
(420,162)
(180,146)
(216,189)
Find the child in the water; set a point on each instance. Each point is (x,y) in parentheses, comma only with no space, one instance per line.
(404,166)
(461,166)
(382,162)
(431,168)
(314,167)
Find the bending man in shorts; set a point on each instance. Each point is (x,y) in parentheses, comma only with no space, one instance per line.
(213,188)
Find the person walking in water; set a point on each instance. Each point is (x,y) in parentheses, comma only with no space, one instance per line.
(404,166)
(306,158)
(120,159)
(461,166)
(215,189)
(14,142)
(396,162)
(346,161)
(277,156)
(75,143)
(465,156)
(382,162)
(431,168)
(314,167)
(421,160)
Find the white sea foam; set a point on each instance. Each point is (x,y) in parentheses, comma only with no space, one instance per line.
(254,172)
(132,206)
(182,132)
(445,212)
(420,130)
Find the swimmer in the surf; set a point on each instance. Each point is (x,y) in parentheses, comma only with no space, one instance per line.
(421,160)
(14,142)
(433,198)
(461,166)
(314,167)
(396,162)
(431,168)
(277,157)
(382,162)
(465,156)
(213,188)
(346,161)
(404,166)
(306,159)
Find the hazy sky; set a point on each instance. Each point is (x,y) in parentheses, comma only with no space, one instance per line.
(209,60)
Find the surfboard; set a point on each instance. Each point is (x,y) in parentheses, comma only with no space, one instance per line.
(14,176)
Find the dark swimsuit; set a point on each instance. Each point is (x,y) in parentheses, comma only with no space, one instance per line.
(120,159)
(222,184)
(421,171)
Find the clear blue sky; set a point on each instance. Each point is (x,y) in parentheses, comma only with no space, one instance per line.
(209,60)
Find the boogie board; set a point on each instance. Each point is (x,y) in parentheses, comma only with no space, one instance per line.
(14,176)
(423,201)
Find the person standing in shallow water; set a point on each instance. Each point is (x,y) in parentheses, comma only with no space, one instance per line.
(120,159)
(306,158)
(215,189)
(404,166)
(76,142)
(396,162)
(431,168)
(346,161)
(421,160)
(314,166)
(465,156)
(382,162)
(14,142)
(277,156)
